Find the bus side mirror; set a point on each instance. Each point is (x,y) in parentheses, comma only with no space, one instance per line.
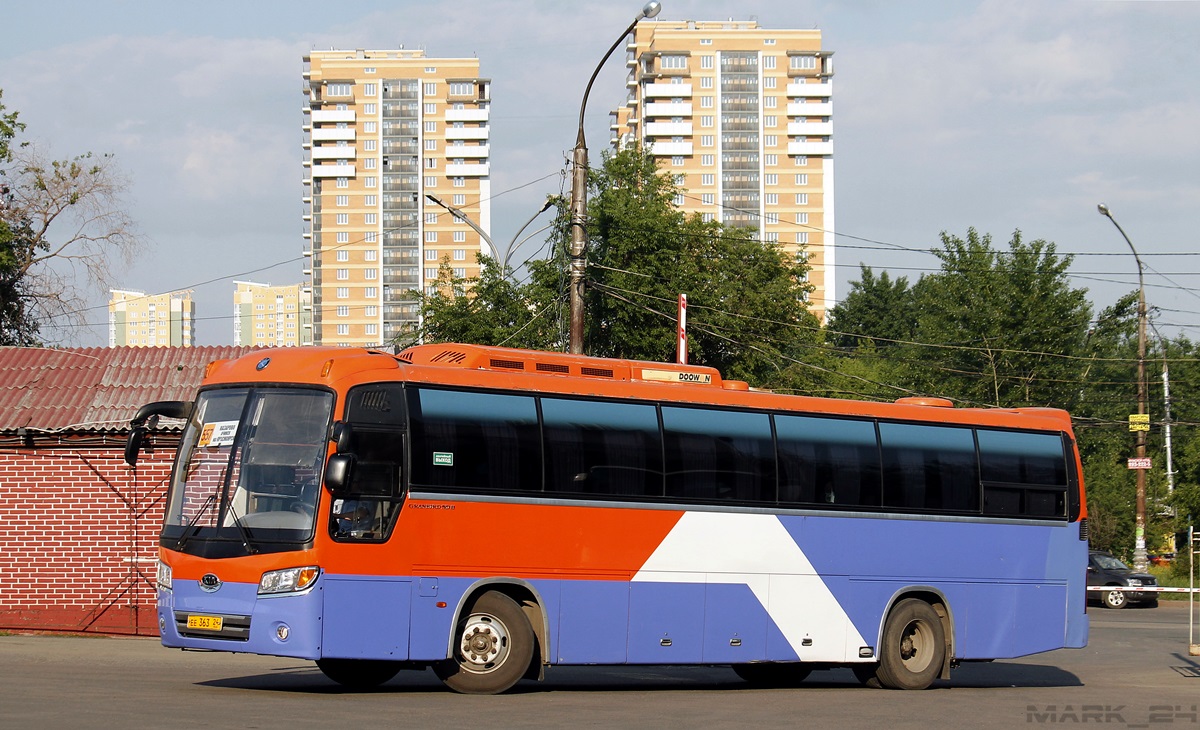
(146,418)
(343,436)
(133,446)
(339,471)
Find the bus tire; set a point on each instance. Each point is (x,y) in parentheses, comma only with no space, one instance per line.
(359,673)
(771,674)
(866,674)
(493,646)
(1115,599)
(913,648)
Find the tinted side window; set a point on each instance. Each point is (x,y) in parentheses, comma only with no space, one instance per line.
(828,461)
(718,455)
(378,404)
(474,441)
(1024,474)
(929,468)
(595,447)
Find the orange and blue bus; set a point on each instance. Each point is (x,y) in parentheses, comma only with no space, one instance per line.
(490,512)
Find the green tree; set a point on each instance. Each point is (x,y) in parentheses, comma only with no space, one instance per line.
(878,310)
(1006,324)
(63,229)
(746,299)
(490,309)
(747,315)
(16,328)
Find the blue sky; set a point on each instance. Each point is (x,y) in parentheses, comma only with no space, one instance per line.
(997,114)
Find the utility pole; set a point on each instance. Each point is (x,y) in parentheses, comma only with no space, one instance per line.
(1139,546)
(579,168)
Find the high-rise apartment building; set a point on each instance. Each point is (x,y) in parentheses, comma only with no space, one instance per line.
(384,129)
(271,316)
(138,319)
(742,117)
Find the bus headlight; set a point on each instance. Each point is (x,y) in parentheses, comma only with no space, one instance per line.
(163,580)
(288,580)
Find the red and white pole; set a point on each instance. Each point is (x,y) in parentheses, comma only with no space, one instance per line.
(682,331)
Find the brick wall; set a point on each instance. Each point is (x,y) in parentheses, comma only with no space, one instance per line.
(79,537)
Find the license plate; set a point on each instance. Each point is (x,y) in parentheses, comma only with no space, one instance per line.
(204,623)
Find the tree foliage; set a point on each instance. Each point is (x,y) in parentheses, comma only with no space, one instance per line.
(746,307)
(63,231)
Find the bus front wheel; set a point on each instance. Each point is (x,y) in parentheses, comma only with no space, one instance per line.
(914,646)
(493,645)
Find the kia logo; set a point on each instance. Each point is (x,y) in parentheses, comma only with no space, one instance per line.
(210,583)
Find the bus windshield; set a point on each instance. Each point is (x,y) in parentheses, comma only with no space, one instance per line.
(249,469)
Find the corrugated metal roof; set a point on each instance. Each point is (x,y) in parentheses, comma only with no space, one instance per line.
(96,388)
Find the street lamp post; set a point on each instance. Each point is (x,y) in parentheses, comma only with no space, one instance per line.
(459,215)
(1139,547)
(579,166)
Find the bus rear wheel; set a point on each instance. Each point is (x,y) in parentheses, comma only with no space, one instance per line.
(359,673)
(493,645)
(914,646)
(768,674)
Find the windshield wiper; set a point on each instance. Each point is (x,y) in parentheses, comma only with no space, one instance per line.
(192,523)
(242,530)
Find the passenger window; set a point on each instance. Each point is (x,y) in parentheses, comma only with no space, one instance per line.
(718,455)
(828,461)
(470,441)
(602,448)
(1024,474)
(929,468)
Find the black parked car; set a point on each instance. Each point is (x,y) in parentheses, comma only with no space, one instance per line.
(1105,570)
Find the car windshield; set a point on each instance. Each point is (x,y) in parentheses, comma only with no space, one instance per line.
(249,467)
(1108,562)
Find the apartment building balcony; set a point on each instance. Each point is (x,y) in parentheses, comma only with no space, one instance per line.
(811,149)
(334,153)
(467,170)
(811,109)
(670,149)
(467,115)
(401,109)
(467,150)
(332,116)
(333,170)
(810,129)
(333,134)
(401,258)
(467,133)
(669,109)
(669,91)
(400,147)
(668,129)
(810,90)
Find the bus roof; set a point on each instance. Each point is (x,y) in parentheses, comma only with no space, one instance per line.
(555,372)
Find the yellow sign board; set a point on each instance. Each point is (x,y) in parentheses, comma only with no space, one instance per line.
(1139,421)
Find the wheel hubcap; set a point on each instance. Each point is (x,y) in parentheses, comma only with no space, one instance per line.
(484,643)
(915,649)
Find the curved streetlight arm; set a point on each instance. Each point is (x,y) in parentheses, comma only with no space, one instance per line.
(513,248)
(457,213)
(1139,545)
(579,165)
(1104,211)
(509,249)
